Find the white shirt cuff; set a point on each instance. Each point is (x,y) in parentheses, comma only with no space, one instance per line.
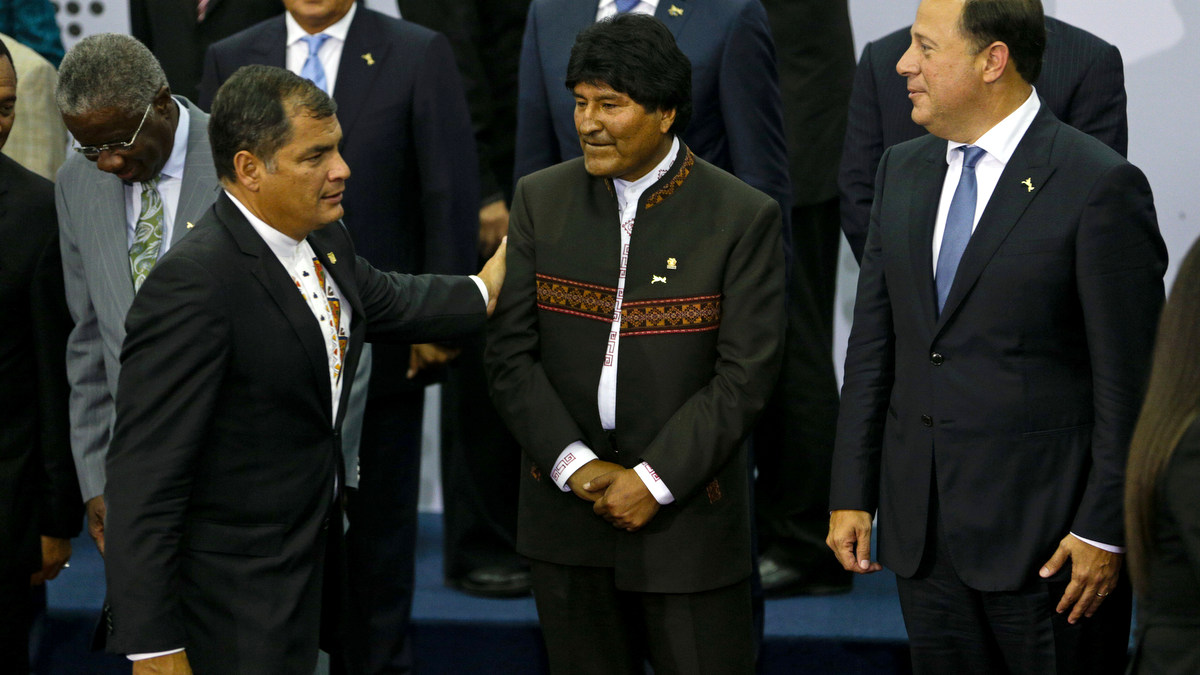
(654,484)
(482,289)
(1104,547)
(569,461)
(152,655)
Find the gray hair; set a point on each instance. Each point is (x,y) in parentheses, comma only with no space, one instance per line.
(108,70)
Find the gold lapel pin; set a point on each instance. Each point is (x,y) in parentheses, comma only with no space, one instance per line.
(655,279)
(671,263)
(369,59)
(332,258)
(1028,182)
(675,10)
(190,226)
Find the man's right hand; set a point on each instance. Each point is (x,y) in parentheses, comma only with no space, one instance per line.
(492,274)
(585,474)
(95,520)
(170,664)
(850,539)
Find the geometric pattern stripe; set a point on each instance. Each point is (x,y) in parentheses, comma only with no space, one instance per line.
(643,317)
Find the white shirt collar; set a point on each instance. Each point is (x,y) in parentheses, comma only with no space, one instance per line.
(338,30)
(284,247)
(605,4)
(635,188)
(178,157)
(1001,140)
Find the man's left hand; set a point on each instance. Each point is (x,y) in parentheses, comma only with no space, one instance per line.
(428,357)
(55,554)
(493,226)
(1094,573)
(627,502)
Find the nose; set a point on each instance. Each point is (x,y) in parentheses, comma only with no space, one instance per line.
(339,170)
(585,120)
(907,65)
(110,162)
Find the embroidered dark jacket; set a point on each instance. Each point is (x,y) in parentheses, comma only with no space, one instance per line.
(699,354)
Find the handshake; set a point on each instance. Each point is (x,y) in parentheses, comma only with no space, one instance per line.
(617,494)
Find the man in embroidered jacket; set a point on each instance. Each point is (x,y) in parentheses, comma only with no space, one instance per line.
(635,342)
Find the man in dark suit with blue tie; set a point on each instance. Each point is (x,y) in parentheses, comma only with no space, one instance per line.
(414,208)
(1006,309)
(1082,81)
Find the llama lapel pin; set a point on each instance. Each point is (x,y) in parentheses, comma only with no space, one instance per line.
(1028,182)
(655,279)
(675,10)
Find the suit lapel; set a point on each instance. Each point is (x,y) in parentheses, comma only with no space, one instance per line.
(108,194)
(199,187)
(265,267)
(272,49)
(1008,202)
(330,246)
(675,14)
(927,185)
(356,72)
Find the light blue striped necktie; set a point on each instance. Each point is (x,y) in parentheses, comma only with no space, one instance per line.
(313,70)
(959,221)
(626,5)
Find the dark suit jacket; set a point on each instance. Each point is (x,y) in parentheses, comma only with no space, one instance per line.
(699,355)
(1024,391)
(737,117)
(412,201)
(1168,638)
(222,468)
(170,30)
(486,38)
(1082,81)
(37,475)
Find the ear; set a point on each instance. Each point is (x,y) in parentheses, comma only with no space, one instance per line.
(248,169)
(667,121)
(995,61)
(162,100)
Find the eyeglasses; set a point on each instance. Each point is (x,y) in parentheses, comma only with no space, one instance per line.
(93,151)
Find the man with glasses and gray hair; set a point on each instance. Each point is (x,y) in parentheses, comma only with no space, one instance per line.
(155,179)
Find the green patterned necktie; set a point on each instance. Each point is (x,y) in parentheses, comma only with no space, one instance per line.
(147,236)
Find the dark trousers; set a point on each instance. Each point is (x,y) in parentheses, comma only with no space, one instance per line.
(793,443)
(382,538)
(591,627)
(16,614)
(954,629)
(481,464)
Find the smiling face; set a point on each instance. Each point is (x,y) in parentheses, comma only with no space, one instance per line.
(315,16)
(301,189)
(151,148)
(945,75)
(619,137)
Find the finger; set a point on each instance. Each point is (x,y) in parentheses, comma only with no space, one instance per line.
(600,482)
(414,364)
(843,548)
(1055,563)
(864,548)
(1070,596)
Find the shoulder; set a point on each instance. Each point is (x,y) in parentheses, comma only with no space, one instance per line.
(26,197)
(243,40)
(553,179)
(1067,39)
(709,178)
(406,32)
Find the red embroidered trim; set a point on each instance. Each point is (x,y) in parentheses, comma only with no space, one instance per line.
(685,315)
(669,189)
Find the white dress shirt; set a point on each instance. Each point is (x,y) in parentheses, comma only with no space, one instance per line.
(608,8)
(998,143)
(330,53)
(578,453)
(170,184)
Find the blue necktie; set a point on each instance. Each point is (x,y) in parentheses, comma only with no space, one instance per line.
(626,5)
(959,220)
(313,70)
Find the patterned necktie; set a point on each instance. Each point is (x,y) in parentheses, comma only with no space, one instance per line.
(959,220)
(626,5)
(335,311)
(313,70)
(147,235)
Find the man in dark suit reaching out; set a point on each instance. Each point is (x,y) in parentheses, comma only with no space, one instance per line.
(225,466)
(1009,292)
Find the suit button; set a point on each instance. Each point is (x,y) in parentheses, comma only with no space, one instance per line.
(936,359)
(927,420)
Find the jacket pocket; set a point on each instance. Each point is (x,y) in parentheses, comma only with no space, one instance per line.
(261,541)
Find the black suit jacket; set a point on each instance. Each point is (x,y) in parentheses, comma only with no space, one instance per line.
(699,354)
(1082,80)
(37,475)
(170,29)
(1024,391)
(412,201)
(222,467)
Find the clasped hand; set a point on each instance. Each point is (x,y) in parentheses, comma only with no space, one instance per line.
(617,494)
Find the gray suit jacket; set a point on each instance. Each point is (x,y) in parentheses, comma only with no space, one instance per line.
(92,230)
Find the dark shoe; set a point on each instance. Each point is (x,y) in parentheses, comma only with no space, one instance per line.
(780,580)
(495,582)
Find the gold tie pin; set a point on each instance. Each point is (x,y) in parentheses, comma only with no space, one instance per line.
(332,258)
(369,59)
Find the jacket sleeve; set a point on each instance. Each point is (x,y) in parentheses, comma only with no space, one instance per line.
(1097,106)
(861,151)
(537,147)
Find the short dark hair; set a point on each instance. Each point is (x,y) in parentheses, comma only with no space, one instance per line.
(1020,24)
(252,111)
(5,54)
(636,55)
